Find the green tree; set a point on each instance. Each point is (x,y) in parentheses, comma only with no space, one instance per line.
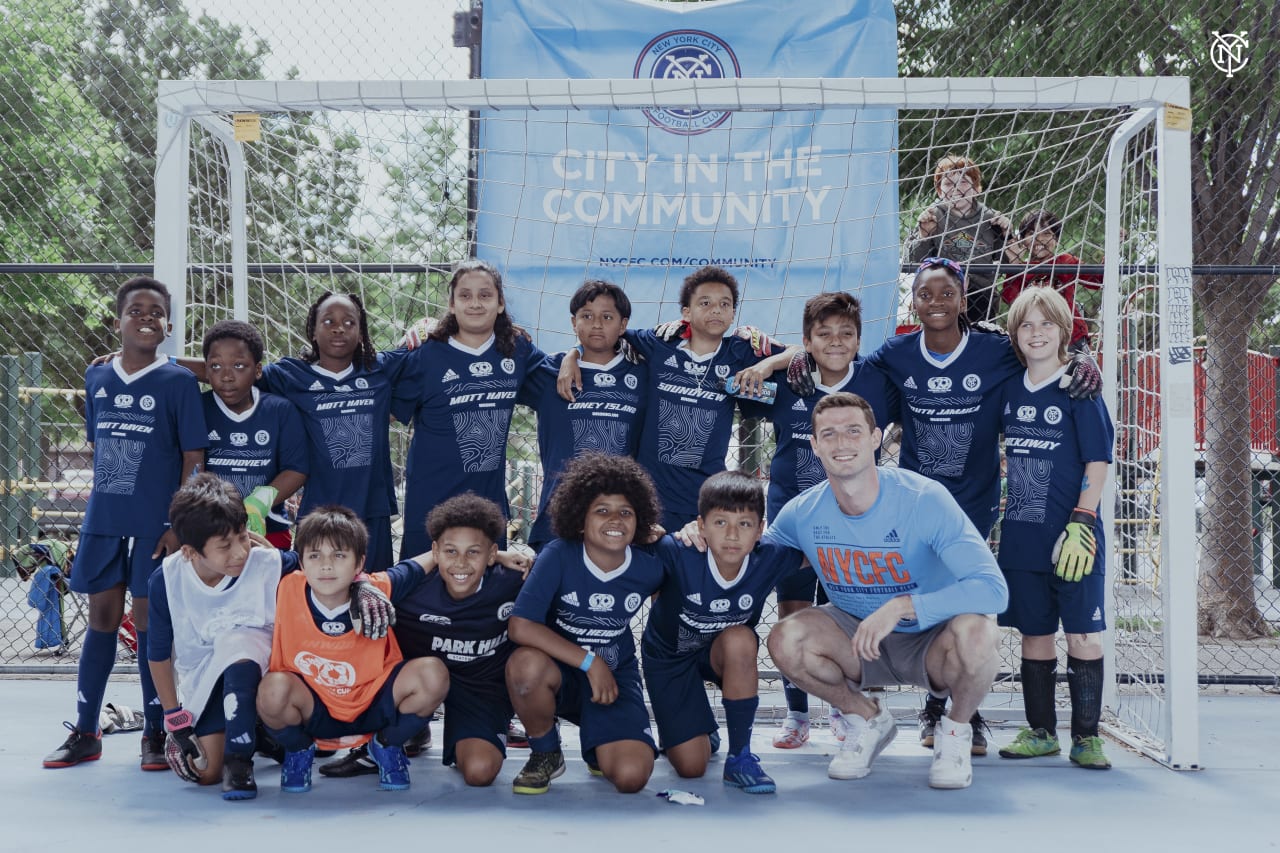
(1235,179)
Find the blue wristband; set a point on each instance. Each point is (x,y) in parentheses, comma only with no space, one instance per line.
(587,661)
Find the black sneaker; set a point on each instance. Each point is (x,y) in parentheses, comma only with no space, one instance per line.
(516,736)
(980,728)
(934,710)
(356,762)
(79,746)
(415,745)
(153,753)
(237,778)
(538,771)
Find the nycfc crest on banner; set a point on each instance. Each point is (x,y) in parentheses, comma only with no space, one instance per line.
(687,55)
(792,203)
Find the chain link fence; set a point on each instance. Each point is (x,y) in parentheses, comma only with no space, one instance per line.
(77,96)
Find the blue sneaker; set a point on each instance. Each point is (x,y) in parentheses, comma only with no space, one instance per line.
(393,765)
(295,770)
(743,771)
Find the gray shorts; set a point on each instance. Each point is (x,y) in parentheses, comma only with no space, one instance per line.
(902,655)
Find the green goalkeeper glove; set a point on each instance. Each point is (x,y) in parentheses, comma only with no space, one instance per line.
(1075,549)
(258,505)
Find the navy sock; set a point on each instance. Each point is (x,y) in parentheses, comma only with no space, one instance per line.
(1084,679)
(1039,683)
(797,699)
(240,695)
(739,717)
(97,657)
(292,738)
(404,727)
(152,713)
(549,742)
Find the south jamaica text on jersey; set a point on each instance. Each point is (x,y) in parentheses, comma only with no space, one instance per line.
(139,424)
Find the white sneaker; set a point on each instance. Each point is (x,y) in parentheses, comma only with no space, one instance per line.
(862,741)
(951,766)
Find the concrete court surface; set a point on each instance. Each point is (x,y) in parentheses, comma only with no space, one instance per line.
(1022,806)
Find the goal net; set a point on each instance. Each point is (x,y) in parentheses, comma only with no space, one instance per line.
(269,193)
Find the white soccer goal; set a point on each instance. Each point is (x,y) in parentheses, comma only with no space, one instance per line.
(372,186)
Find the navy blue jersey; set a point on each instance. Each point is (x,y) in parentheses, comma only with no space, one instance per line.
(469,634)
(249,449)
(347,416)
(1048,439)
(696,603)
(606,416)
(139,424)
(795,467)
(689,418)
(460,404)
(950,415)
(594,609)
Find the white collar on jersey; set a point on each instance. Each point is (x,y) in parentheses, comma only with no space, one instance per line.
(684,345)
(951,357)
(243,416)
(600,573)
(1036,386)
(719,578)
(341,374)
(127,378)
(591,365)
(831,389)
(324,611)
(480,350)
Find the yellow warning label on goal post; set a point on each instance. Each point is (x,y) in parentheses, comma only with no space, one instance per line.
(247,126)
(1177,118)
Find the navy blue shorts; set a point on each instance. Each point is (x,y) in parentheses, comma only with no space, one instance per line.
(104,562)
(379,557)
(474,710)
(626,719)
(380,714)
(802,585)
(1038,601)
(678,693)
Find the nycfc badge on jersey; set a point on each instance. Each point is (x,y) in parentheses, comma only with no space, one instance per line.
(147,403)
(1052,415)
(972,382)
(504,612)
(508,366)
(630,381)
(633,602)
(262,437)
(722,371)
(744,602)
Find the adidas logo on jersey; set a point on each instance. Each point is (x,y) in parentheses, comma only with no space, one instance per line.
(910,383)
(696,597)
(449,376)
(316,386)
(892,538)
(799,406)
(213,435)
(102,392)
(1097,614)
(671,362)
(570,599)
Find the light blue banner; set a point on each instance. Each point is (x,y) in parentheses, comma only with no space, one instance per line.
(792,203)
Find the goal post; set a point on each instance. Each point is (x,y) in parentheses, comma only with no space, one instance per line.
(329,188)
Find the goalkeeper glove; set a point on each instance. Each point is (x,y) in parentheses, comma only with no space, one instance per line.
(258,505)
(800,374)
(372,613)
(1075,549)
(761,344)
(1083,379)
(182,748)
(417,333)
(672,331)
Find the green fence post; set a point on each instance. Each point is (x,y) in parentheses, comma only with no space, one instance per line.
(10,508)
(31,415)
